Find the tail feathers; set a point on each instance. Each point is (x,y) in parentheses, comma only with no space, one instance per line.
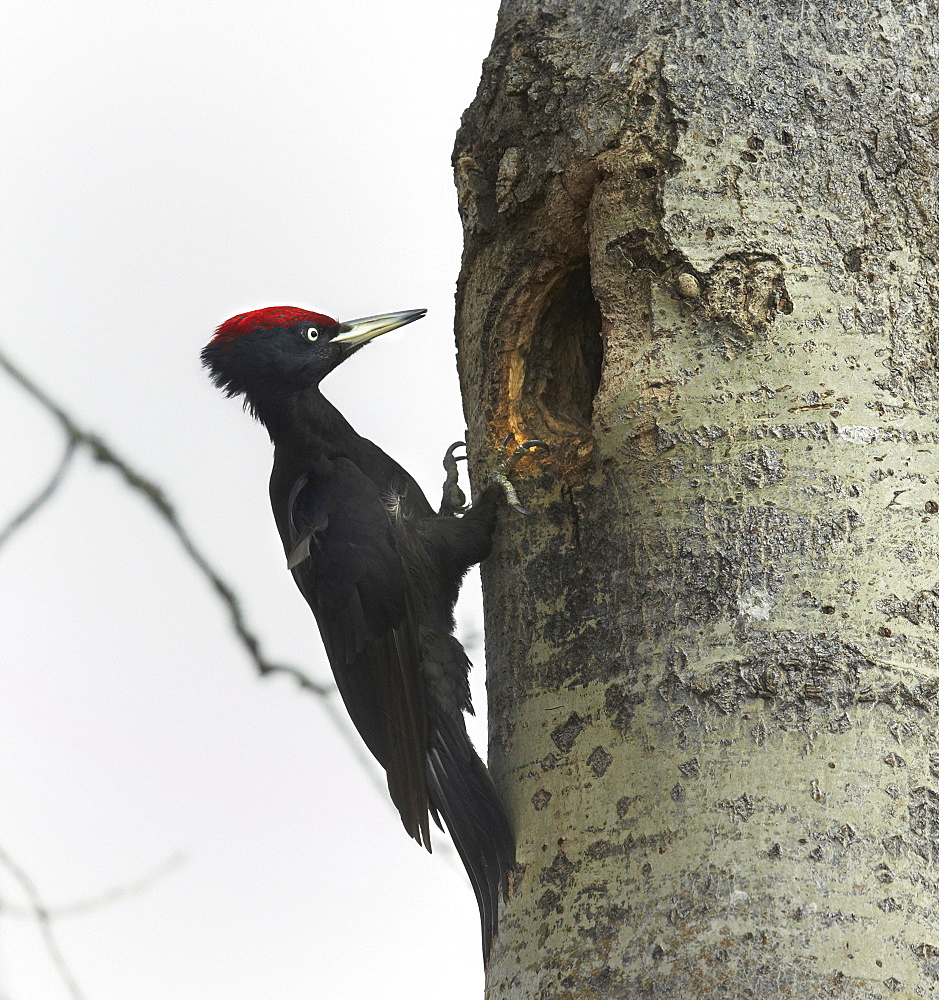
(462,792)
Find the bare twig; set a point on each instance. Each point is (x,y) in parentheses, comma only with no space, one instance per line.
(107,898)
(43,495)
(102,452)
(41,915)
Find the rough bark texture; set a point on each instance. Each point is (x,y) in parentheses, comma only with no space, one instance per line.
(701,260)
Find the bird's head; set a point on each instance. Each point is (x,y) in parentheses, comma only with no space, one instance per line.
(277,352)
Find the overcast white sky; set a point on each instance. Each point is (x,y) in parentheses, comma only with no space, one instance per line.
(167,165)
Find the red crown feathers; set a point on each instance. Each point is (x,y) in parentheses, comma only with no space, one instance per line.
(267,319)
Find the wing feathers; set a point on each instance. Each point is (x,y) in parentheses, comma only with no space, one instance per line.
(345,558)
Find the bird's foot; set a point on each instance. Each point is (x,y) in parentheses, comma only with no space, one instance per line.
(454,499)
(501,474)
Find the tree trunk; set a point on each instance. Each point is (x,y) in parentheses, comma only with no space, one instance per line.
(701,261)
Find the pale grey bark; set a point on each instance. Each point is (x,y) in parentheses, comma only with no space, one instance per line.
(701,261)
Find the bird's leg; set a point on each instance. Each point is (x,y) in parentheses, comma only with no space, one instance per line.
(467,540)
(454,500)
(501,475)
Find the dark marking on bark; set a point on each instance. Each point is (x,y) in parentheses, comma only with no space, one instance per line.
(922,609)
(683,717)
(624,804)
(924,823)
(619,707)
(883,873)
(540,799)
(854,259)
(895,846)
(902,731)
(841,724)
(566,734)
(560,872)
(548,901)
(606,982)
(599,760)
(741,808)
(690,768)
(601,849)
(743,289)
(639,249)
(762,467)
(844,834)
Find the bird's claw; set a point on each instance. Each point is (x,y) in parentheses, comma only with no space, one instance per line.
(454,499)
(501,479)
(501,474)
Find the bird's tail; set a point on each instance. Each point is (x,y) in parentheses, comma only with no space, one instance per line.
(462,793)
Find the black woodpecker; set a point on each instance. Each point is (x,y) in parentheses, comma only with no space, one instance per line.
(381,571)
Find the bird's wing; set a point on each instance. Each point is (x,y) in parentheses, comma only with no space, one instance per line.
(347,561)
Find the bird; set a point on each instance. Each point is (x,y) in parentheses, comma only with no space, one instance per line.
(381,571)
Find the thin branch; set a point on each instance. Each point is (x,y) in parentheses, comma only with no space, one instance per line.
(41,915)
(107,898)
(102,452)
(43,495)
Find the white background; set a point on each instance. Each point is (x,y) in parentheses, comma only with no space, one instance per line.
(165,166)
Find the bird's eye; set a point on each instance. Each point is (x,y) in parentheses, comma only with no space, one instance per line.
(312,333)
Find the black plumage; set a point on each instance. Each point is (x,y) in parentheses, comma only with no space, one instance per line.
(381,571)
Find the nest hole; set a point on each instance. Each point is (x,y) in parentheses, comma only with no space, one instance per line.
(565,360)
